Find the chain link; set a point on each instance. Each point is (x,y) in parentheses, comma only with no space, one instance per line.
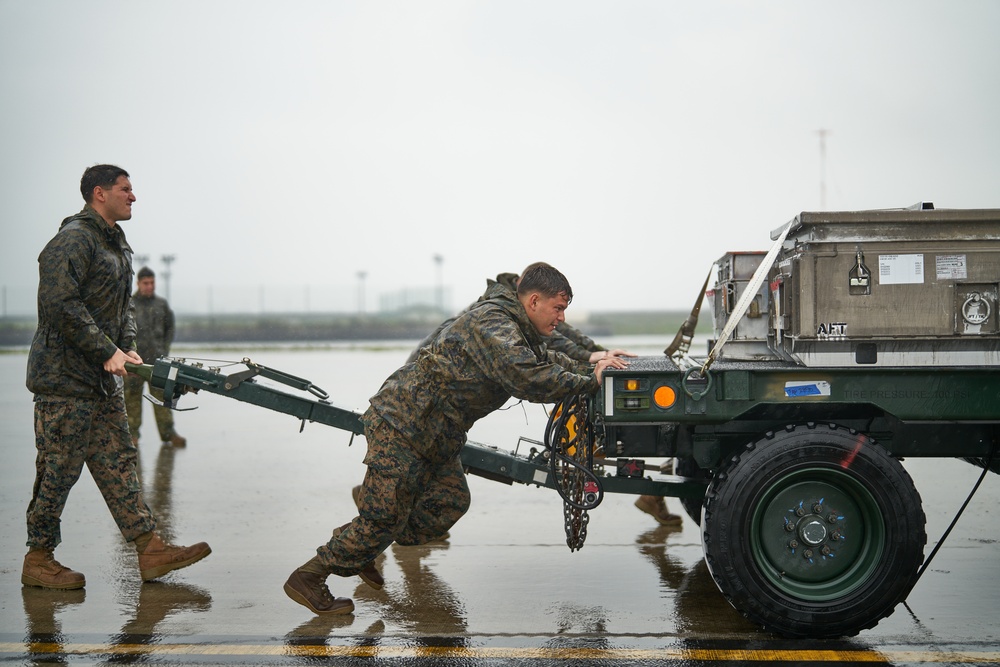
(571,437)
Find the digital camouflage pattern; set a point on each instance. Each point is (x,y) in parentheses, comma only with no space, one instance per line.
(70,432)
(476,363)
(416,425)
(84,309)
(134,388)
(155,327)
(566,339)
(404,499)
(84,315)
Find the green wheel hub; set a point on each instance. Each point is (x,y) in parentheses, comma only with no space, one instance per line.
(816,533)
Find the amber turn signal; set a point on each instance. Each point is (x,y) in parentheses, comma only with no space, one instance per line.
(664,396)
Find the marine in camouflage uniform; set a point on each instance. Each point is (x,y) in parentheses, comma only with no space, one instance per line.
(577,345)
(155,333)
(86,332)
(415,488)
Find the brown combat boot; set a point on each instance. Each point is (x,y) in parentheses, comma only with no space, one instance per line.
(178,441)
(369,574)
(158,558)
(656,507)
(41,569)
(310,591)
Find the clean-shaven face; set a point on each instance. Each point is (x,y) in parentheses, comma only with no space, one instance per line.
(546,312)
(146,286)
(119,198)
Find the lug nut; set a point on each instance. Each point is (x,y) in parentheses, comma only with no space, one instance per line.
(826,550)
(800,511)
(832,518)
(817,509)
(794,544)
(808,553)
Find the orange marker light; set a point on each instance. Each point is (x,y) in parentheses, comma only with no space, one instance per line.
(664,396)
(631,384)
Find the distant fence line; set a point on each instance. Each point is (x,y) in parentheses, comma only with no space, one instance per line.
(19,300)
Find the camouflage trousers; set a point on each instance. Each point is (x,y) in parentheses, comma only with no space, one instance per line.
(404,499)
(134,386)
(71,432)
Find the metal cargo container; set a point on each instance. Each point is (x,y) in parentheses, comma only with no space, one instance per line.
(734,271)
(902,287)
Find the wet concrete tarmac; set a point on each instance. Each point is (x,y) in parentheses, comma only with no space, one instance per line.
(503,589)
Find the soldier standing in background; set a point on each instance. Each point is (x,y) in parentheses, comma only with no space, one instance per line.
(86,333)
(155,332)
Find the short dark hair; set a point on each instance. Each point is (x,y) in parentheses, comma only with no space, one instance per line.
(145,272)
(100,175)
(545,279)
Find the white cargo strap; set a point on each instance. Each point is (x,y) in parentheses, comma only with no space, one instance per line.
(748,295)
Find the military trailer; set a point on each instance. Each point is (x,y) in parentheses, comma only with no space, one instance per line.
(858,339)
(861,338)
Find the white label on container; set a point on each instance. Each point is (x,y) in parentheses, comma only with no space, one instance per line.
(951,267)
(900,269)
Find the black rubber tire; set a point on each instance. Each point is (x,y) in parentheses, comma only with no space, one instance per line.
(815,531)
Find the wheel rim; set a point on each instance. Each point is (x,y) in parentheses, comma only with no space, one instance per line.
(816,534)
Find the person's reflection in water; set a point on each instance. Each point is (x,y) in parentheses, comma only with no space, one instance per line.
(154,602)
(426,605)
(653,545)
(43,639)
(160,497)
(302,642)
(698,604)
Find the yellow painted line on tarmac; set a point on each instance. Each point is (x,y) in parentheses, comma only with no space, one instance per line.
(462,653)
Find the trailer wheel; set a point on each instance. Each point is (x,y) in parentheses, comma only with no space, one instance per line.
(815,531)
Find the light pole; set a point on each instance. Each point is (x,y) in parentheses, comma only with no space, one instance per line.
(361,291)
(167,260)
(439,260)
(140,261)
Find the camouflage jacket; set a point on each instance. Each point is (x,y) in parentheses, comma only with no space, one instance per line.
(487,355)
(154,322)
(84,309)
(566,339)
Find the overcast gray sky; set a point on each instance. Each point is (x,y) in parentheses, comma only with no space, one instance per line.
(288,146)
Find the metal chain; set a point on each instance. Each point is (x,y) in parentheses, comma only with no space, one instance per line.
(570,436)
(576,526)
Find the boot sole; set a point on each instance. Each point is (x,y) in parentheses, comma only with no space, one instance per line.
(157,572)
(38,583)
(301,599)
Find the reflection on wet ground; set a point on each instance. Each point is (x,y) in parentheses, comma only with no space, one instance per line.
(44,640)
(697,602)
(503,589)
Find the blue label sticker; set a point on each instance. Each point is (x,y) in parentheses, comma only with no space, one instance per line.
(807,388)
